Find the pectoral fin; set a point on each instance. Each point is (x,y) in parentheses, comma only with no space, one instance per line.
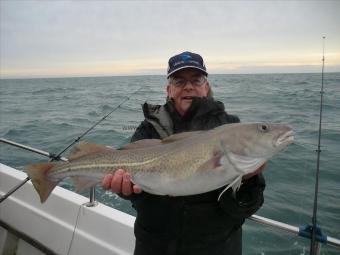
(212,164)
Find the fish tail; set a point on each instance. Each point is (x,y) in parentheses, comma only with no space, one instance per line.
(39,177)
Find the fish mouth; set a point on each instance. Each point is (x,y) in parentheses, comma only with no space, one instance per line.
(285,139)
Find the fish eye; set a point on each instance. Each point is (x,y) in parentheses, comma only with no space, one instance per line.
(263,127)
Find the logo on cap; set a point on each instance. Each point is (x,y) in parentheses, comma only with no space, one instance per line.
(186,57)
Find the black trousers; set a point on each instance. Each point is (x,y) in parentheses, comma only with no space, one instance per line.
(232,246)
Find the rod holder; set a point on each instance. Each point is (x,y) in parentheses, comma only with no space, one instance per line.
(92,202)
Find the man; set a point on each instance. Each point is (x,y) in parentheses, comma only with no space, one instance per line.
(197,224)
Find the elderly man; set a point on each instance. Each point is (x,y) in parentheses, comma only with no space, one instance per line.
(197,224)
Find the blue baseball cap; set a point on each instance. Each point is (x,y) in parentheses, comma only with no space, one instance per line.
(186,60)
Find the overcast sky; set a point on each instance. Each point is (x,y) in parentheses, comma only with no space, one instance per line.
(94,38)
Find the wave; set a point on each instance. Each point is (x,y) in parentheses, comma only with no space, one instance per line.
(302,83)
(53,90)
(93,114)
(106,108)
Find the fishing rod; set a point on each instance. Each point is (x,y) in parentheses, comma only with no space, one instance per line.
(94,125)
(315,246)
(57,156)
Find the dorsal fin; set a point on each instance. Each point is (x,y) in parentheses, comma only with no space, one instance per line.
(180,136)
(85,148)
(141,144)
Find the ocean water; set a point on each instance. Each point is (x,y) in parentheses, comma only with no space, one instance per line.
(51,113)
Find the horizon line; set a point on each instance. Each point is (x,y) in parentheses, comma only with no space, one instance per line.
(134,75)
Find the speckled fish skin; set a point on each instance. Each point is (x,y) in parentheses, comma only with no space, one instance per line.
(182,164)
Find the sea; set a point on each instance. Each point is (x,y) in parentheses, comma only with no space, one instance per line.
(51,113)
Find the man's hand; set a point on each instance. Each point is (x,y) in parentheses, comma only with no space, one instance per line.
(120,182)
(256,172)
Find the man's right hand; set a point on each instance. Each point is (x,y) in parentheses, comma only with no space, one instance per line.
(120,182)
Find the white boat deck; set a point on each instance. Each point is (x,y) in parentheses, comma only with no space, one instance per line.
(62,225)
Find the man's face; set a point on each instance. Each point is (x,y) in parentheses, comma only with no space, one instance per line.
(185,84)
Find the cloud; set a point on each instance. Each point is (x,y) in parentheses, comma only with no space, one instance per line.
(87,37)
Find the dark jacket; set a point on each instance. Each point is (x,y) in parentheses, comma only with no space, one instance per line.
(196,224)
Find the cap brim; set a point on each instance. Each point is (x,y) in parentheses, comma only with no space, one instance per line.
(185,67)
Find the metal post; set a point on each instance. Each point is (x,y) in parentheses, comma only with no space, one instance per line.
(92,201)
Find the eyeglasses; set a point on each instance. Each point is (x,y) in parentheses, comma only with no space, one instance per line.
(195,81)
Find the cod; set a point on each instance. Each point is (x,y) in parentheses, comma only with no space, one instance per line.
(182,164)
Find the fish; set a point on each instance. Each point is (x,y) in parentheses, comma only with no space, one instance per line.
(182,164)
